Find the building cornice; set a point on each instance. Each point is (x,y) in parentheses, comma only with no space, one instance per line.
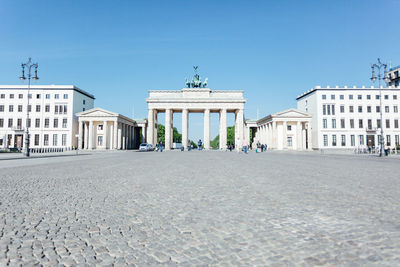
(46,87)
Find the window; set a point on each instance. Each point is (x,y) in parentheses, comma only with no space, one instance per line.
(386,97)
(10,123)
(83,109)
(342,123)
(352,140)
(19,123)
(378,109)
(369,97)
(29,108)
(289,141)
(387,109)
(36,139)
(47,108)
(64,139)
(55,109)
(30,96)
(65,96)
(100,127)
(333,97)
(55,123)
(351,109)
(369,124)
(20,96)
(341,97)
(396,123)
(46,123)
(60,109)
(343,140)
(333,123)
(47,96)
(360,124)
(352,123)
(11,96)
(84,101)
(378,123)
(37,123)
(19,108)
(396,139)
(28,123)
(65,109)
(377,97)
(56,96)
(324,109)
(37,96)
(394,97)
(45,139)
(388,124)
(37,108)
(359,109)
(369,109)
(55,139)
(361,138)
(329,109)
(350,97)
(1,108)
(289,127)
(333,109)
(334,140)
(324,123)
(395,109)
(388,143)
(64,123)
(359,97)
(325,140)
(2,96)
(1,123)
(10,108)
(323,97)
(342,109)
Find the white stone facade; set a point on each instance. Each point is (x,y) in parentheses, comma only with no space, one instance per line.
(394,77)
(199,100)
(349,118)
(53,123)
(103,129)
(286,130)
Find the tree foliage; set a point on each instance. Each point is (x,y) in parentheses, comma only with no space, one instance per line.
(177,137)
(230,138)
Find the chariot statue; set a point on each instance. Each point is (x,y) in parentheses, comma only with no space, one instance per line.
(196,80)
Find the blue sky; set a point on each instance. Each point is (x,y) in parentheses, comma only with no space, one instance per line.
(274,50)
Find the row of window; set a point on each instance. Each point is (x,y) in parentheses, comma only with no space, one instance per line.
(58,109)
(361,140)
(328,109)
(359,97)
(360,123)
(37,123)
(37,96)
(45,140)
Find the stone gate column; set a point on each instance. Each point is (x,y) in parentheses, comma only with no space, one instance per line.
(155,131)
(80,135)
(298,136)
(185,114)
(274,135)
(206,129)
(167,132)
(91,135)
(150,127)
(115,135)
(222,129)
(284,143)
(240,124)
(86,130)
(105,129)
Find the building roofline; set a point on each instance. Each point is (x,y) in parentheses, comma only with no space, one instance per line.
(48,87)
(345,88)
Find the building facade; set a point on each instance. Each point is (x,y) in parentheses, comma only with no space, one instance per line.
(52,121)
(349,118)
(286,130)
(394,77)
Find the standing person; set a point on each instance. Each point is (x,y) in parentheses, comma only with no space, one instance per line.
(245,144)
(161,146)
(157,147)
(199,144)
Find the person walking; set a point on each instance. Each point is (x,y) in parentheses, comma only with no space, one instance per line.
(245,144)
(161,146)
(199,144)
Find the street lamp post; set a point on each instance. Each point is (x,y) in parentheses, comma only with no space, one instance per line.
(379,66)
(28,65)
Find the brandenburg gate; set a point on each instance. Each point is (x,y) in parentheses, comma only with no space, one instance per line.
(195,98)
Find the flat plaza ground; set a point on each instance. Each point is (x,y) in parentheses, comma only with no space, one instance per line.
(200,208)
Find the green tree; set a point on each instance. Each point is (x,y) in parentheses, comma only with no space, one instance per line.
(230,138)
(177,137)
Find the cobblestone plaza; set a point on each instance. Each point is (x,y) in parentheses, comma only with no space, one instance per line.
(200,208)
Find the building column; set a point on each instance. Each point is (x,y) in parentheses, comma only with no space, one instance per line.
(86,135)
(115,135)
(185,115)
(284,143)
(144,136)
(119,140)
(80,132)
(91,135)
(150,127)
(274,135)
(105,129)
(206,129)
(240,125)
(155,131)
(123,136)
(298,136)
(303,136)
(167,134)
(309,130)
(222,129)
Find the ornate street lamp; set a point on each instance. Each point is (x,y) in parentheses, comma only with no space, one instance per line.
(28,65)
(379,66)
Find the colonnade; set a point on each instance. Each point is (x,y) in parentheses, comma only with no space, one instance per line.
(107,134)
(152,126)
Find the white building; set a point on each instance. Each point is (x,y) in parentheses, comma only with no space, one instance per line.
(52,121)
(349,118)
(285,130)
(394,77)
